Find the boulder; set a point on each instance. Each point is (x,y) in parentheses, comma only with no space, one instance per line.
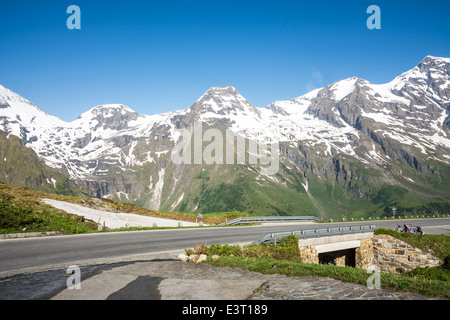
(183,257)
(193,258)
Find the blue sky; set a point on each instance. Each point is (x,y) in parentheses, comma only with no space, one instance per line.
(157,56)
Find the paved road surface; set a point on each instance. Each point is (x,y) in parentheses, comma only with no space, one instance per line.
(32,254)
(127,266)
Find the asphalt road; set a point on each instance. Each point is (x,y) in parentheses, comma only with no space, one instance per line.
(33,254)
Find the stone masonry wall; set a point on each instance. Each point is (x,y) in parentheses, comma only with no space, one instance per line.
(364,254)
(309,254)
(395,256)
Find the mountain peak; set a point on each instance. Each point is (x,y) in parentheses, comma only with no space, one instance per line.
(222,90)
(433,62)
(107,110)
(107,116)
(343,88)
(20,114)
(435,59)
(113,107)
(432,73)
(222,100)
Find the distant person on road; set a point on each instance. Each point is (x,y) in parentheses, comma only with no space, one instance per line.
(405,228)
(419,230)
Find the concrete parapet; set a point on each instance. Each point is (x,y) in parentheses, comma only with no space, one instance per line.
(334,239)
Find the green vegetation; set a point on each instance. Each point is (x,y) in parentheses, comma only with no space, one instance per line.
(21,210)
(415,205)
(438,245)
(286,249)
(20,216)
(424,286)
(328,188)
(269,259)
(241,193)
(22,166)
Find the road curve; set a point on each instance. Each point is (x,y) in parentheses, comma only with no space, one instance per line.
(28,254)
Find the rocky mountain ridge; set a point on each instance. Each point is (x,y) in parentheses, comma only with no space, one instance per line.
(340,146)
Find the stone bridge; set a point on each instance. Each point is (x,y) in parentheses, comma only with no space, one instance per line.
(353,249)
(364,250)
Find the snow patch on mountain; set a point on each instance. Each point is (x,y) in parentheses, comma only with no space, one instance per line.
(155,201)
(343,88)
(411,109)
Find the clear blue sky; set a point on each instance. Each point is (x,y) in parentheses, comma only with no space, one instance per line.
(157,56)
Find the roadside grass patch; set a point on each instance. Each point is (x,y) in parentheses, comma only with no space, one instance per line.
(286,249)
(284,258)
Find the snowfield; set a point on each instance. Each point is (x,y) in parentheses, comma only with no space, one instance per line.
(116,220)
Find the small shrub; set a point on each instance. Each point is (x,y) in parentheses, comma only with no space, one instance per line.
(198,249)
(225,250)
(286,249)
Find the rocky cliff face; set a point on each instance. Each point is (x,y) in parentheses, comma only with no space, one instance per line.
(20,165)
(350,148)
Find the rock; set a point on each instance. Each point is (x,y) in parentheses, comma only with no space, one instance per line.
(183,257)
(201,258)
(193,258)
(215,257)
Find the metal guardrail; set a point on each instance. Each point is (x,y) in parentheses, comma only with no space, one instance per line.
(269,219)
(314,233)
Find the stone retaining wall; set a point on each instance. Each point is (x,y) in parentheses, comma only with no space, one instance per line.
(309,254)
(395,256)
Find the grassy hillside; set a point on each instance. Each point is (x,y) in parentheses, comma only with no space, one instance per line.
(288,192)
(21,210)
(20,165)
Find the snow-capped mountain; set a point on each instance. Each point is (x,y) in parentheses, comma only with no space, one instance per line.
(347,142)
